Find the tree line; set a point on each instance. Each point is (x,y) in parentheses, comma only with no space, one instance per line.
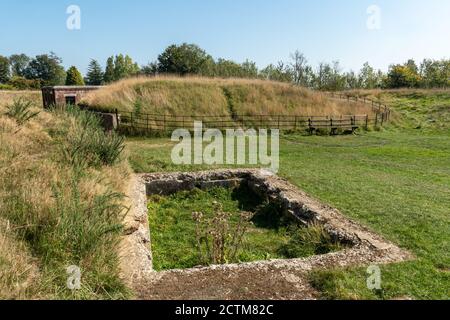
(22,72)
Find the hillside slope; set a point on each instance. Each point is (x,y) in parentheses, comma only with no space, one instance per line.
(427,110)
(60,204)
(203,96)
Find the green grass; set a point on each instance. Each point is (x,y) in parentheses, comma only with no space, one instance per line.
(270,236)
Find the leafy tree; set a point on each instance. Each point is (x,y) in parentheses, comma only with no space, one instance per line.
(4,69)
(74,77)
(412,66)
(402,76)
(184,59)
(301,71)
(249,69)
(435,73)
(351,80)
(131,67)
(124,67)
(280,73)
(120,67)
(19,62)
(109,71)
(329,77)
(150,69)
(94,76)
(227,69)
(367,77)
(47,69)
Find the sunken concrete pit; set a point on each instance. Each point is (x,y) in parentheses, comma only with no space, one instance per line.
(270,279)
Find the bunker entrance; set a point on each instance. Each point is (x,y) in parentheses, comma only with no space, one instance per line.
(71,100)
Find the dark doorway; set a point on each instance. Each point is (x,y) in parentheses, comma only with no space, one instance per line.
(70,100)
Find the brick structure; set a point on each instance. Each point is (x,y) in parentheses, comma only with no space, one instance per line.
(63,95)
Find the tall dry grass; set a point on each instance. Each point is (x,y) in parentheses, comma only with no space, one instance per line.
(8,97)
(212,96)
(57,214)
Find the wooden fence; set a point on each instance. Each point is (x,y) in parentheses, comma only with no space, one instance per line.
(377,107)
(151,123)
(143,122)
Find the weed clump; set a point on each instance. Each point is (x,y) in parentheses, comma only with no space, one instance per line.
(87,144)
(308,241)
(21,111)
(217,241)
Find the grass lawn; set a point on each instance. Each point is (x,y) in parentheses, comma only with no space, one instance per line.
(268,235)
(396,182)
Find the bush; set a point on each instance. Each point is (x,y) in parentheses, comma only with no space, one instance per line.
(88,145)
(20,110)
(309,241)
(217,241)
(21,83)
(6,87)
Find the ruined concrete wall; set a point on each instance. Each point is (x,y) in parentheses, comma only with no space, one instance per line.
(285,278)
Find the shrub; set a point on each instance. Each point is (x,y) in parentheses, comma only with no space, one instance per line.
(6,87)
(20,110)
(308,241)
(21,83)
(88,145)
(217,243)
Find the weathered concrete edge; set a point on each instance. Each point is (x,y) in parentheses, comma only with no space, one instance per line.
(135,256)
(370,247)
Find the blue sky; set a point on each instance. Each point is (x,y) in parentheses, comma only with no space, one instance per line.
(264,31)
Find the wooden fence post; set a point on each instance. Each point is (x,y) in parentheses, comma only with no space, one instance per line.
(367,122)
(132,125)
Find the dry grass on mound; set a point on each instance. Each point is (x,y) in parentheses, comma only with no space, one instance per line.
(7,97)
(56,211)
(212,96)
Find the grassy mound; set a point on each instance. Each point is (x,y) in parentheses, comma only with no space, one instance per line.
(60,204)
(203,96)
(428,110)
